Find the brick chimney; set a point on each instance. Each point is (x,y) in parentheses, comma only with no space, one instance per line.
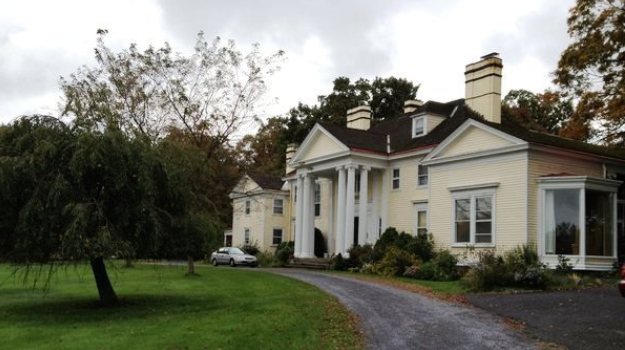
(359,118)
(291,148)
(483,86)
(412,105)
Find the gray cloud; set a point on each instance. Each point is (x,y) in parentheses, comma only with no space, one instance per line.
(343,26)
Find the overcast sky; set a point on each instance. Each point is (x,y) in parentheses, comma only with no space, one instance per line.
(427,42)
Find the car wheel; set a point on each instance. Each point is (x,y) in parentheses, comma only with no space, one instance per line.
(232,264)
(214,262)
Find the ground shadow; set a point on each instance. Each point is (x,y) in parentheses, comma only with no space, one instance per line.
(86,310)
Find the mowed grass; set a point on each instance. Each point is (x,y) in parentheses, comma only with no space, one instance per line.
(437,288)
(222,308)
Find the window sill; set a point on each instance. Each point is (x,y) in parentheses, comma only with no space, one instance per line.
(473,245)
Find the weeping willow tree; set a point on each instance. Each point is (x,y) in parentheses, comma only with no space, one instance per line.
(72,196)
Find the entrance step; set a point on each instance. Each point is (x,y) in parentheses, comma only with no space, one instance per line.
(310,263)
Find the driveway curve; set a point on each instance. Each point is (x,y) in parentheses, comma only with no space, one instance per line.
(398,319)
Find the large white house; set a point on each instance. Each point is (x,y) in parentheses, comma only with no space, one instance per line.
(460,172)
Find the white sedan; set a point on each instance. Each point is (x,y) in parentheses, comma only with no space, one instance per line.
(233,257)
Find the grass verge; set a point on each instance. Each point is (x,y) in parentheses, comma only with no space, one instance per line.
(222,308)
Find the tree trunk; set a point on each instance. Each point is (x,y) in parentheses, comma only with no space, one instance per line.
(105,289)
(190,266)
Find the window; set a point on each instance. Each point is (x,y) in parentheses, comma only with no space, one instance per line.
(473,218)
(563,213)
(421,222)
(418,126)
(277,236)
(317,199)
(248,205)
(357,184)
(396,178)
(423,175)
(278,206)
(246,237)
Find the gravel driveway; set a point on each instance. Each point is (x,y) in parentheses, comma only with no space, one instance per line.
(397,319)
(581,319)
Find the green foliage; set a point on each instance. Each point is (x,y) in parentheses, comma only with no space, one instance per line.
(441,268)
(284,252)
(564,265)
(251,248)
(519,267)
(543,112)
(359,255)
(339,263)
(395,262)
(422,246)
(266,259)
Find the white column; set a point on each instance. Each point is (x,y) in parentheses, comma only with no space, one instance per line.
(310,244)
(373,230)
(330,211)
(349,208)
(340,213)
(308,221)
(363,235)
(386,188)
(299,216)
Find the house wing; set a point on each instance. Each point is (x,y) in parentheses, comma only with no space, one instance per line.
(473,138)
(319,144)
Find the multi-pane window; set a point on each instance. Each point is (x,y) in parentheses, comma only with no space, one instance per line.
(423,175)
(317,199)
(277,236)
(278,206)
(473,219)
(396,178)
(248,206)
(421,224)
(246,236)
(418,127)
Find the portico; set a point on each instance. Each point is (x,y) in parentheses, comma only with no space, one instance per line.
(355,214)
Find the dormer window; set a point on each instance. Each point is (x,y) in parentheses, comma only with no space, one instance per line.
(418,126)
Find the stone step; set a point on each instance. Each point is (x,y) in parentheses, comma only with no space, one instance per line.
(310,263)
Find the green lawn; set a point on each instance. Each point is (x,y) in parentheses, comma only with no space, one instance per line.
(436,288)
(222,308)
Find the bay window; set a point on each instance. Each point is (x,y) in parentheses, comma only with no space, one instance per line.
(578,219)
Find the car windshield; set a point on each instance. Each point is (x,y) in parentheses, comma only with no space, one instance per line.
(236,251)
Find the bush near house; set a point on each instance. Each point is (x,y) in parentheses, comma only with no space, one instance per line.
(519,267)
(401,254)
(251,248)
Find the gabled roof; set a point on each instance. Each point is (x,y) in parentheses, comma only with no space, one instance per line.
(456,113)
(268,182)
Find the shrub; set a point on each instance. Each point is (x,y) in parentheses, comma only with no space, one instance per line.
(441,268)
(392,238)
(395,262)
(338,263)
(413,271)
(487,273)
(422,246)
(564,265)
(251,248)
(284,252)
(519,267)
(359,255)
(266,259)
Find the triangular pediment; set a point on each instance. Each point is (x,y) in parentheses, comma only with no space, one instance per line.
(473,137)
(319,144)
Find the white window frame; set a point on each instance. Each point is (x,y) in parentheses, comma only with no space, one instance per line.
(420,176)
(472,195)
(414,126)
(247,236)
(247,207)
(393,178)
(421,207)
(582,184)
(273,236)
(281,206)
